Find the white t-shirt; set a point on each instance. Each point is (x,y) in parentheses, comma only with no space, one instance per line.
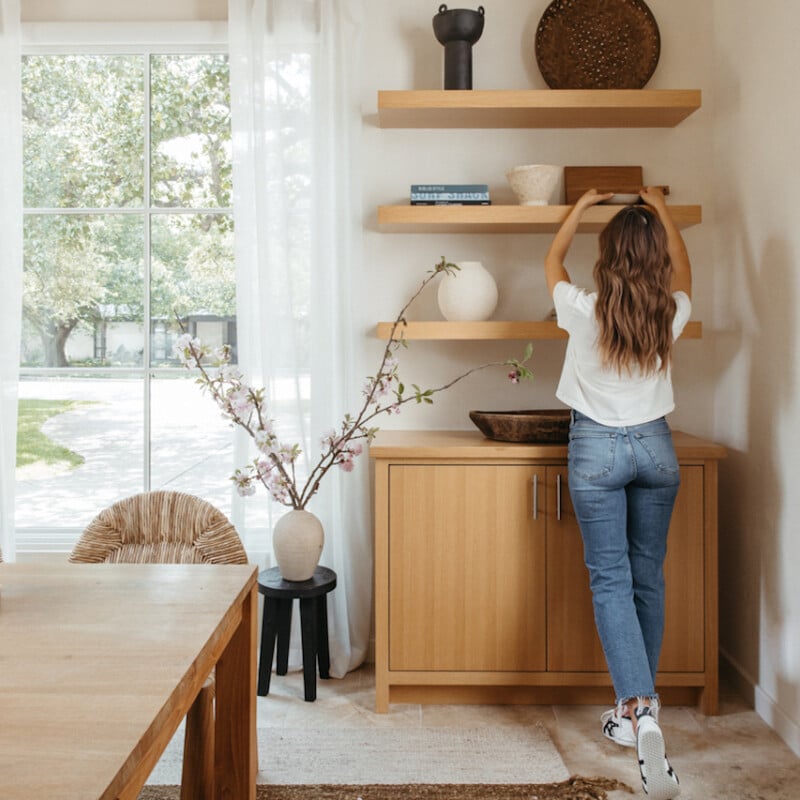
(602,394)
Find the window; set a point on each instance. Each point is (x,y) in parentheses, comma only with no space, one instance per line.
(128,236)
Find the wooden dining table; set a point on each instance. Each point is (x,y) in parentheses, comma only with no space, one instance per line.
(99,663)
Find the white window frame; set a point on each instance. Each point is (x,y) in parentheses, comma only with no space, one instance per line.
(145,40)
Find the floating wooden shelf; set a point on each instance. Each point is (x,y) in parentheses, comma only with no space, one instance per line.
(496,329)
(533,108)
(537,108)
(507,218)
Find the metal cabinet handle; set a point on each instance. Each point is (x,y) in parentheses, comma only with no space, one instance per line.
(558,497)
(536,497)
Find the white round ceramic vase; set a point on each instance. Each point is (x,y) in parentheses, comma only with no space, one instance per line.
(469,294)
(297,540)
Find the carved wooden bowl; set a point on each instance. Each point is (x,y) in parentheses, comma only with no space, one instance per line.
(535,426)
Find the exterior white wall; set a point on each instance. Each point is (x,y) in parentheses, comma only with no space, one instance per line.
(756,354)
(125,335)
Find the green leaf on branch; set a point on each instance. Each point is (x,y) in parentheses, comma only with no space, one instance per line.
(528,352)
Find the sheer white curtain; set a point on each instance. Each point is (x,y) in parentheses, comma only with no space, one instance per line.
(10,260)
(296,119)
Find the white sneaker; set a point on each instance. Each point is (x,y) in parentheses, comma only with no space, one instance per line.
(617,724)
(618,727)
(659,780)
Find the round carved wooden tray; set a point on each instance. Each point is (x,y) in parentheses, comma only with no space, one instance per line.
(597,44)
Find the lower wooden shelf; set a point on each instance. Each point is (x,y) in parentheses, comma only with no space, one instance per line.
(495,329)
(508,218)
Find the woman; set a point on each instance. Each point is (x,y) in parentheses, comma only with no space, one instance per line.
(623,473)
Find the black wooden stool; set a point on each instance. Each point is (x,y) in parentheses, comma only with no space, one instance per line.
(277,620)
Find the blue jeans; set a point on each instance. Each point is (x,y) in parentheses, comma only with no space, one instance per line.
(623,483)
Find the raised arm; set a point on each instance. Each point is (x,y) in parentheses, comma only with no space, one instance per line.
(681,266)
(554,269)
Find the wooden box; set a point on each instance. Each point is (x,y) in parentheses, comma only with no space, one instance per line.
(620,180)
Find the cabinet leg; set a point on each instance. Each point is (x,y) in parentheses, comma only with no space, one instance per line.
(709,701)
(381,694)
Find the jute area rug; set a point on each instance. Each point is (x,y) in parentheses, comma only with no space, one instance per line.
(501,754)
(497,762)
(575,788)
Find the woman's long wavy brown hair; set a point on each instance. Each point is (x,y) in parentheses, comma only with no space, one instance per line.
(635,307)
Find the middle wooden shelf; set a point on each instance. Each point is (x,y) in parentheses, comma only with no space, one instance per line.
(508,218)
(495,329)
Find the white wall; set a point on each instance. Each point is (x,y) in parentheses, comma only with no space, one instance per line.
(113,10)
(756,292)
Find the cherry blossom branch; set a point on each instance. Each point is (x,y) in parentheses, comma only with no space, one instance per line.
(244,405)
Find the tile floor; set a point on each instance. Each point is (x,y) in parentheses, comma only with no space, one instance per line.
(734,755)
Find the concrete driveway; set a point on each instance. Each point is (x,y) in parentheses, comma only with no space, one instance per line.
(191,448)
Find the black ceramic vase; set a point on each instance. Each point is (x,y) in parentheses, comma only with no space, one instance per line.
(458,29)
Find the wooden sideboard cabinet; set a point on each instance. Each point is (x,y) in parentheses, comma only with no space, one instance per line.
(481,593)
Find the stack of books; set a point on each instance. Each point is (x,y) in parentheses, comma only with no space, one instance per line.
(450,194)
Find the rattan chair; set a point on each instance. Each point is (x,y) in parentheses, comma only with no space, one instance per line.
(165,527)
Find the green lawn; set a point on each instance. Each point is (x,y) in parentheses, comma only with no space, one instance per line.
(33,446)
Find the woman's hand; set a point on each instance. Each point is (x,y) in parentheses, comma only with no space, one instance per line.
(591,198)
(654,196)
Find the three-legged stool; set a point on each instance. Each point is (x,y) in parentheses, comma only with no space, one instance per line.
(276,624)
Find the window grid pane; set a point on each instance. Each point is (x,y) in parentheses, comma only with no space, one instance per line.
(110,269)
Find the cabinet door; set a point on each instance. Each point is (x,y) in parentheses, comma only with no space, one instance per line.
(573,644)
(466,567)
(683,648)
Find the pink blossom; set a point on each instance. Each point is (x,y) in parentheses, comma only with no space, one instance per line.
(287,454)
(277,488)
(264,467)
(244,485)
(229,373)
(240,402)
(265,438)
(328,438)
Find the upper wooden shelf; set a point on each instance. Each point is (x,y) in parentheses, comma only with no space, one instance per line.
(536,108)
(496,329)
(507,218)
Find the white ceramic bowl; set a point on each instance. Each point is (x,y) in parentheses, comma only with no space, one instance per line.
(533,184)
(622,200)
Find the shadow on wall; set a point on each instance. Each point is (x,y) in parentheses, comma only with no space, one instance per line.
(772,387)
(752,499)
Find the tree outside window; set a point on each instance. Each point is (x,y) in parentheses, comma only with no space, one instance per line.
(128,228)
